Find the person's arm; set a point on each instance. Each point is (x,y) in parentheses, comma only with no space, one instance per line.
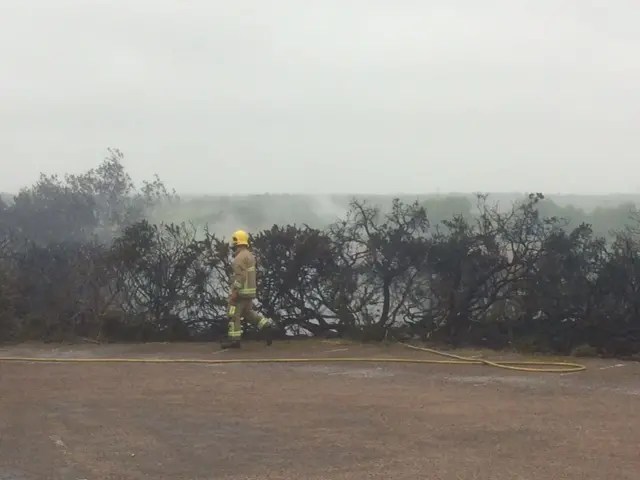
(237,279)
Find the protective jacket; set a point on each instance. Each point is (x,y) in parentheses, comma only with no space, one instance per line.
(244,274)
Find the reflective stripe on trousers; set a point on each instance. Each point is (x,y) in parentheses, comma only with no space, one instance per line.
(233,333)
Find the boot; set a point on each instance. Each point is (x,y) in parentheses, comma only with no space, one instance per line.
(228,344)
(268,335)
(266,330)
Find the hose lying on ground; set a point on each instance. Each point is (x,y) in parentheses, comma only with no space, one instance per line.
(452,359)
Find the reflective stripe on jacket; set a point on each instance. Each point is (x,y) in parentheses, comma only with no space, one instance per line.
(244,274)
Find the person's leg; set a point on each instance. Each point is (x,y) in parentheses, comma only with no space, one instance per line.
(264,324)
(234,333)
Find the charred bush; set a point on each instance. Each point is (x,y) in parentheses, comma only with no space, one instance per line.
(80,258)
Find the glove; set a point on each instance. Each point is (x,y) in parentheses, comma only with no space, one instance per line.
(233,297)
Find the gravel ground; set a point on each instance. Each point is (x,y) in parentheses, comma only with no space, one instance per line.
(310,421)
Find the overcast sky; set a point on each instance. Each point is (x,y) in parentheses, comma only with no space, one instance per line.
(326,95)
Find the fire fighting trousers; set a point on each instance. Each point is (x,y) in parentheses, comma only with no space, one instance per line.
(243,308)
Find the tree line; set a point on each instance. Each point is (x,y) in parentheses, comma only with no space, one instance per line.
(605,214)
(79,258)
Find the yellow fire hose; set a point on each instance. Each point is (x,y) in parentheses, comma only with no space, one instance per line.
(452,359)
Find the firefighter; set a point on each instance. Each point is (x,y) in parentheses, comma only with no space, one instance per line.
(243,291)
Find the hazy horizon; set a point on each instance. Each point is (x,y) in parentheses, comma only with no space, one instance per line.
(389,194)
(328,97)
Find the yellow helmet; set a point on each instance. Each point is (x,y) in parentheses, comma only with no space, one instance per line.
(239,237)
